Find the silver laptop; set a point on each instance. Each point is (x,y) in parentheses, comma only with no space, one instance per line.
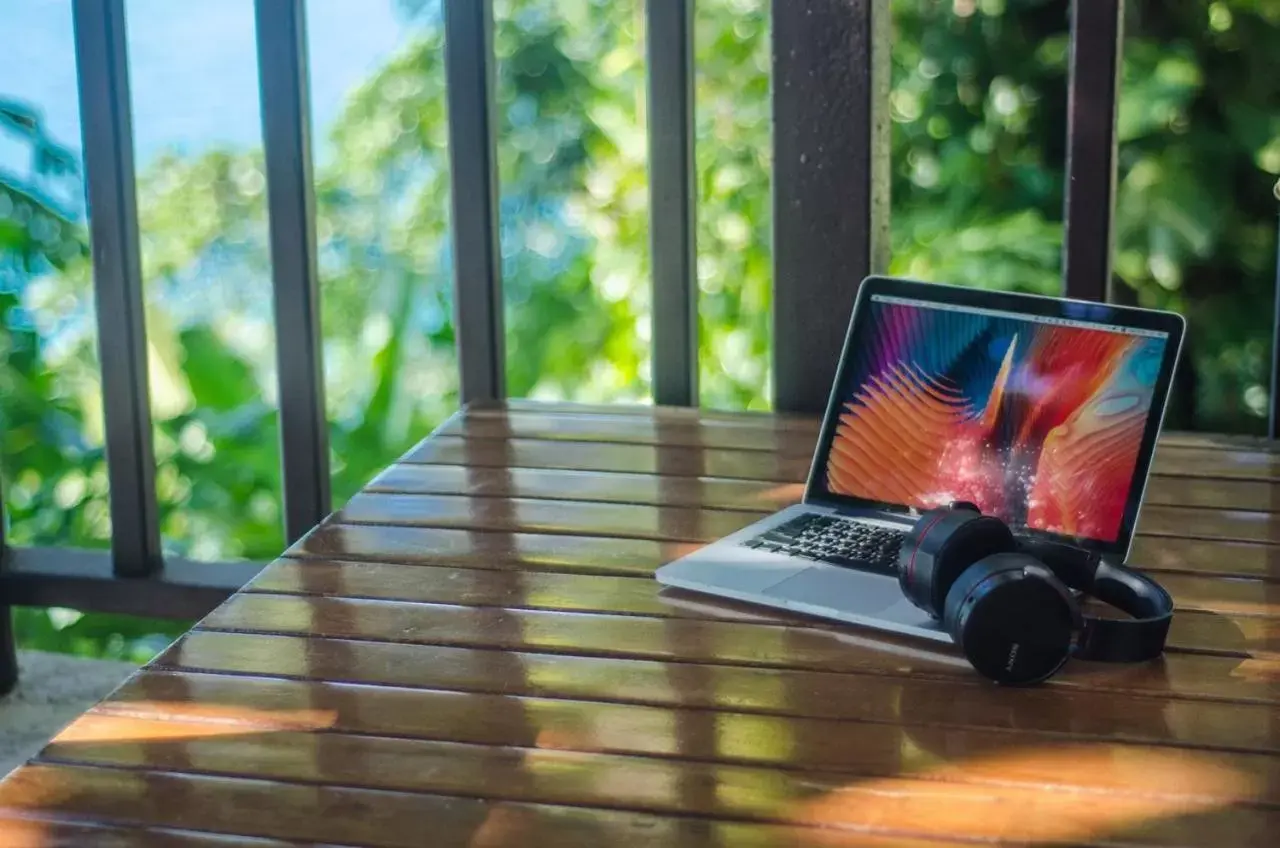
(1040,410)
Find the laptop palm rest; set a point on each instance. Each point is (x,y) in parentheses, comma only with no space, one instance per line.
(825,587)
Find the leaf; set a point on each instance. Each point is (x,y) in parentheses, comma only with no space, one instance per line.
(219,379)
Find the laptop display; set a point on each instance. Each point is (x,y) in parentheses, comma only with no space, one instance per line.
(1037,419)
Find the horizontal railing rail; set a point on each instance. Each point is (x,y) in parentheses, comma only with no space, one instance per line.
(831,223)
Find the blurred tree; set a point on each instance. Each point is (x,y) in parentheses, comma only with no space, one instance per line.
(51,457)
(978,109)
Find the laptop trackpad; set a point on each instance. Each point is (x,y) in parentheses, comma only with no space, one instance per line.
(860,594)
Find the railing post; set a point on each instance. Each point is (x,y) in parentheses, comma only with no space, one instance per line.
(831,182)
(1273,423)
(1096,43)
(286,134)
(8,646)
(672,201)
(103,79)
(477,264)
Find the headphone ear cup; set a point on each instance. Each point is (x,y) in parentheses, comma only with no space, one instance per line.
(1014,620)
(938,549)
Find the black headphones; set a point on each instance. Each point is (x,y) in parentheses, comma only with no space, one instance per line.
(1009,604)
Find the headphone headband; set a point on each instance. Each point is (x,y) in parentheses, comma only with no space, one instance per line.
(1135,639)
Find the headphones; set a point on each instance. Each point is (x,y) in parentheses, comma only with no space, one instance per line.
(1011,605)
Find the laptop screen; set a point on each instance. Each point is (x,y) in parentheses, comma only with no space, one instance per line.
(1036,419)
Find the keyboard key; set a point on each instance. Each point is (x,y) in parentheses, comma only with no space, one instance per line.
(841,541)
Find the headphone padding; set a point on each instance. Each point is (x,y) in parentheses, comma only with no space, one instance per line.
(941,546)
(1014,620)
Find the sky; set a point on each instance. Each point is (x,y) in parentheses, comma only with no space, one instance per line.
(192,67)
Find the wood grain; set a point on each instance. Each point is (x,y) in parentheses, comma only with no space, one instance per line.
(752,496)
(36,831)
(673,524)
(1206,557)
(1210,493)
(963,702)
(378,818)
(1242,620)
(805,423)
(231,706)
(531,551)
(604,555)
(1187,797)
(1215,462)
(473,652)
(794,423)
(587,486)
(708,642)
(1177,454)
(1193,522)
(774,421)
(571,590)
(550,505)
(592,456)
(629,429)
(690,462)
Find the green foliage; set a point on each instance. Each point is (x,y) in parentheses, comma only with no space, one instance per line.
(977,104)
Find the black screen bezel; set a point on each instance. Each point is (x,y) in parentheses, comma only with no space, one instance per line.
(1037,305)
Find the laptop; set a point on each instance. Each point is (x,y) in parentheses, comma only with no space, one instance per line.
(1042,411)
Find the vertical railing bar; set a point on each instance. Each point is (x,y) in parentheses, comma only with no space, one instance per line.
(286,134)
(477,265)
(1273,423)
(831,183)
(672,200)
(1096,45)
(8,645)
(106,126)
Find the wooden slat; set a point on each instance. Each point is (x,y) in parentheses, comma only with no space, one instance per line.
(1211,462)
(477,638)
(1238,484)
(1177,454)
(1210,493)
(378,818)
(1198,556)
(673,462)
(675,524)
(514,589)
(536,552)
(628,429)
(715,493)
(1179,794)
(601,555)
(959,703)
(707,642)
(46,832)
(1218,441)
(692,524)
(1228,600)
(593,456)
(662,414)
(1231,525)
(589,486)
(545,515)
(238,706)
(1174,455)
(1216,594)
(810,424)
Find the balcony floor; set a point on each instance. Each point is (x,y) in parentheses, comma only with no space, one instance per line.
(52,690)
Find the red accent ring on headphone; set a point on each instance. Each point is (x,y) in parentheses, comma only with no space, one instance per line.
(924,534)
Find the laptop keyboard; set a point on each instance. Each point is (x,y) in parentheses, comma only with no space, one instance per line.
(840,541)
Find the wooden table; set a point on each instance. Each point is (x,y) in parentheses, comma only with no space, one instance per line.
(472,653)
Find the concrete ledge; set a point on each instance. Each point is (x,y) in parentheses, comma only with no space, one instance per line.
(52,690)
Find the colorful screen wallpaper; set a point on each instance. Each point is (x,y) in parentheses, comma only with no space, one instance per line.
(1037,423)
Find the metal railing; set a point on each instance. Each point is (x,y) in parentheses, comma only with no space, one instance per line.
(831,225)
